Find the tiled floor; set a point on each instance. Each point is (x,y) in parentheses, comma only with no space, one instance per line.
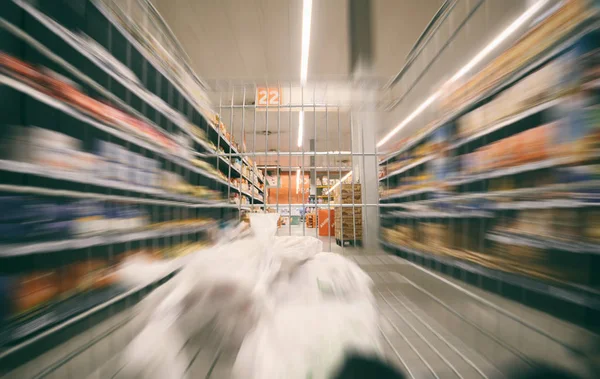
(433,327)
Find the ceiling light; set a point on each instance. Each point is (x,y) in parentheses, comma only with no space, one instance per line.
(338,183)
(528,14)
(410,117)
(306,21)
(300,128)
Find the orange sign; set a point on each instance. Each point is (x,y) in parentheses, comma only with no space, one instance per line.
(267,96)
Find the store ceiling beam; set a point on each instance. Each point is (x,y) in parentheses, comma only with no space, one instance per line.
(361,40)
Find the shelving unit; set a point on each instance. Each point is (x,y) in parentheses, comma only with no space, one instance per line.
(349,219)
(504,186)
(173,174)
(311,220)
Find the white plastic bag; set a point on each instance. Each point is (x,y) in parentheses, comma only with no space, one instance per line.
(293,251)
(308,340)
(224,286)
(140,271)
(327,276)
(156,352)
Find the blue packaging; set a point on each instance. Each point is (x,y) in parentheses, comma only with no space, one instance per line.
(14,232)
(13,209)
(51,230)
(89,218)
(5,293)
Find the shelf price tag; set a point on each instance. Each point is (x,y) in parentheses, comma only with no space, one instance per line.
(267,96)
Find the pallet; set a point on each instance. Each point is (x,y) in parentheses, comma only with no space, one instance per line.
(348,242)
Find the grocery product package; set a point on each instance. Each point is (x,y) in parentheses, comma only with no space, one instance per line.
(300,341)
(137,271)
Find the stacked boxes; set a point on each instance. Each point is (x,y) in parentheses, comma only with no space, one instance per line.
(348,220)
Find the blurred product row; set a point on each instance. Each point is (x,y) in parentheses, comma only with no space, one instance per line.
(507,180)
(102,54)
(102,162)
(57,150)
(538,243)
(33,301)
(32,219)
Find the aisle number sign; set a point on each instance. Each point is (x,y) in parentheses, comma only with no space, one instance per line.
(267,96)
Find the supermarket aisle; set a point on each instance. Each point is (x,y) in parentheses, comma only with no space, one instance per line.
(432,328)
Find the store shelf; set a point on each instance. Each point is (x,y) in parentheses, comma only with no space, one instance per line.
(548,163)
(238,173)
(419,191)
(542,204)
(140,49)
(554,51)
(174,116)
(439,215)
(506,122)
(92,179)
(410,144)
(89,195)
(14,250)
(48,100)
(566,188)
(409,166)
(545,242)
(580,295)
(135,88)
(89,307)
(182,91)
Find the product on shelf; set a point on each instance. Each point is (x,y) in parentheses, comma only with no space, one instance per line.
(538,87)
(238,199)
(201,134)
(348,220)
(26,292)
(535,144)
(547,33)
(172,182)
(46,148)
(39,219)
(66,91)
(123,165)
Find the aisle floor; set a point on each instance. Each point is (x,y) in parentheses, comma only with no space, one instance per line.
(432,327)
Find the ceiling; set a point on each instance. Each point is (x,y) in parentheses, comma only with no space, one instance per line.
(259,40)
(236,45)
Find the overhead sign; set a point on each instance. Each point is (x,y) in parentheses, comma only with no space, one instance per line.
(267,96)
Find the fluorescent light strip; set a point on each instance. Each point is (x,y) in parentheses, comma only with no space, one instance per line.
(528,14)
(300,128)
(306,21)
(410,117)
(338,183)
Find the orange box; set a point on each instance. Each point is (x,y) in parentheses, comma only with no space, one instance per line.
(326,222)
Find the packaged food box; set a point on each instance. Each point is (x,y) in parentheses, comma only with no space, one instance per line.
(107,150)
(89,218)
(125,173)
